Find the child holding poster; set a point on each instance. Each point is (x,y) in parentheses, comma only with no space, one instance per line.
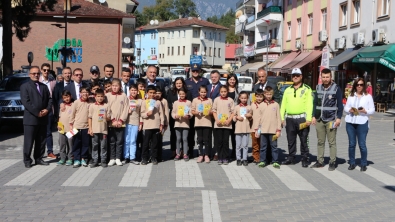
(65,144)
(201,108)
(223,109)
(242,128)
(181,114)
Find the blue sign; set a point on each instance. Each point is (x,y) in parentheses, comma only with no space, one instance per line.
(195,59)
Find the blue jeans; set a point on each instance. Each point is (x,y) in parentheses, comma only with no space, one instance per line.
(354,132)
(130,146)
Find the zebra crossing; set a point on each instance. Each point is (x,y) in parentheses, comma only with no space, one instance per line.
(189,175)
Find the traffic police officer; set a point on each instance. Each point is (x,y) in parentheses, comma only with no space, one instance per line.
(296,110)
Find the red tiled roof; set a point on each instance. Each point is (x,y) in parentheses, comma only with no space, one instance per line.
(84,8)
(149,26)
(191,21)
(230,50)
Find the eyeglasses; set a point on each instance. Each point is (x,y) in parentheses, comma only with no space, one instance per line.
(295,75)
(195,70)
(360,84)
(35,73)
(78,74)
(45,70)
(95,73)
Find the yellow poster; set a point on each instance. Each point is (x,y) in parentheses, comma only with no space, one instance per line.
(206,110)
(180,111)
(60,128)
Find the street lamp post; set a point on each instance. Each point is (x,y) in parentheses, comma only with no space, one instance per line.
(140,69)
(65,36)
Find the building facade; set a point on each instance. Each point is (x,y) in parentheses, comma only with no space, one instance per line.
(146,42)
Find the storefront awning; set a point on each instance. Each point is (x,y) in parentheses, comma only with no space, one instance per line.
(310,58)
(279,59)
(244,68)
(288,68)
(256,66)
(384,55)
(342,57)
(277,67)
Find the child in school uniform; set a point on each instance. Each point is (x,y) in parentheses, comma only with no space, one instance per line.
(181,114)
(107,86)
(153,121)
(270,126)
(165,106)
(242,128)
(201,108)
(94,86)
(133,126)
(65,143)
(98,129)
(255,125)
(141,83)
(223,110)
(79,120)
(118,106)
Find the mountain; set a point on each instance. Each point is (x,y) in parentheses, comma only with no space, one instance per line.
(205,8)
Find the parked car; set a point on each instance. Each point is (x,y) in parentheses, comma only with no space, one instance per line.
(11,108)
(245,83)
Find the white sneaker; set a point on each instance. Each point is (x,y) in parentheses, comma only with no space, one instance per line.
(111,163)
(118,162)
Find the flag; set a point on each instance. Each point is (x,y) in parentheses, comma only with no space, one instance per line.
(324,62)
(267,21)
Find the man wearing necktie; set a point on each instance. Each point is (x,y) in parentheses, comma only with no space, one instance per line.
(126,73)
(37,101)
(262,83)
(57,92)
(75,86)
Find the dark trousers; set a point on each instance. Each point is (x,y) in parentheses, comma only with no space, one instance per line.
(116,142)
(213,147)
(81,144)
(139,148)
(268,145)
(150,141)
(173,137)
(34,135)
(99,147)
(292,129)
(232,153)
(222,139)
(49,138)
(191,137)
(203,138)
(159,146)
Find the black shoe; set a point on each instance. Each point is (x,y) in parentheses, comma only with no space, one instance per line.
(104,164)
(317,165)
(245,163)
(288,162)
(363,168)
(305,162)
(28,165)
(127,160)
(144,162)
(93,164)
(154,161)
(215,158)
(41,162)
(332,166)
(352,166)
(238,162)
(135,162)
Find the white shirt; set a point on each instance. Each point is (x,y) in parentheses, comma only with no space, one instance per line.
(77,89)
(127,88)
(47,83)
(365,101)
(65,83)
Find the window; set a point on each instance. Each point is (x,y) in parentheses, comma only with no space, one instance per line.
(168,34)
(209,35)
(275,33)
(178,34)
(209,51)
(205,50)
(219,52)
(219,36)
(183,50)
(153,35)
(343,15)
(310,26)
(172,50)
(355,12)
(289,31)
(299,33)
(168,50)
(153,51)
(172,34)
(195,50)
(137,38)
(324,16)
(163,56)
(138,51)
(183,33)
(205,35)
(163,40)
(383,8)
(214,51)
(196,33)
(178,51)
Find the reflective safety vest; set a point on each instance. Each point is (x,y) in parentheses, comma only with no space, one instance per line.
(326,106)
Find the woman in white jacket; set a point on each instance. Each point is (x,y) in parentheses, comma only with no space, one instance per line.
(358,108)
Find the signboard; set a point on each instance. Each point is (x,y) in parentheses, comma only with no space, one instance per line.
(195,59)
(249,50)
(152,57)
(324,62)
(53,53)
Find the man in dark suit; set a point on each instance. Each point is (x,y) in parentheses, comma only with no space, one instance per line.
(75,86)
(151,79)
(262,77)
(58,90)
(108,72)
(213,92)
(37,101)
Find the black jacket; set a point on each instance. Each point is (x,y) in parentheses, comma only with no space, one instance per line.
(276,94)
(34,102)
(172,97)
(71,88)
(57,97)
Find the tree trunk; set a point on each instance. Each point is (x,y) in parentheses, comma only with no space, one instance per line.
(7,37)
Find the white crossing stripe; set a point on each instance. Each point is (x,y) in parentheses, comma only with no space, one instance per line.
(210,206)
(83,177)
(385,178)
(31,176)
(292,179)
(188,174)
(240,177)
(4,164)
(136,176)
(341,179)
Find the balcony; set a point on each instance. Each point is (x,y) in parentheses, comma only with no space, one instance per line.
(239,29)
(250,23)
(269,16)
(242,3)
(270,45)
(239,4)
(239,51)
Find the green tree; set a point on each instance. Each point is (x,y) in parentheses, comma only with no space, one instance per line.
(164,10)
(16,20)
(185,8)
(140,19)
(226,20)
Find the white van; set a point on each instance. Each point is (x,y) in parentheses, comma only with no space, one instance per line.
(178,72)
(245,83)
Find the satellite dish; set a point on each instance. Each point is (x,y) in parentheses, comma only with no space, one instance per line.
(239,13)
(102,1)
(126,40)
(242,18)
(156,22)
(151,22)
(203,53)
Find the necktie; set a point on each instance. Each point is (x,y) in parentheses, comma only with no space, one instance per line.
(212,90)
(38,88)
(125,89)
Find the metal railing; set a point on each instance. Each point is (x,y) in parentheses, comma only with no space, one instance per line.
(239,28)
(239,51)
(251,19)
(266,11)
(266,43)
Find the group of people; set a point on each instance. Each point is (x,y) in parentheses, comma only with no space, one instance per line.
(104,121)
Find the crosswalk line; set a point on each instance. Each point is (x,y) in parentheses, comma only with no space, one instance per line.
(385,178)
(136,176)
(5,163)
(240,177)
(292,179)
(31,176)
(342,180)
(83,177)
(210,206)
(188,174)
